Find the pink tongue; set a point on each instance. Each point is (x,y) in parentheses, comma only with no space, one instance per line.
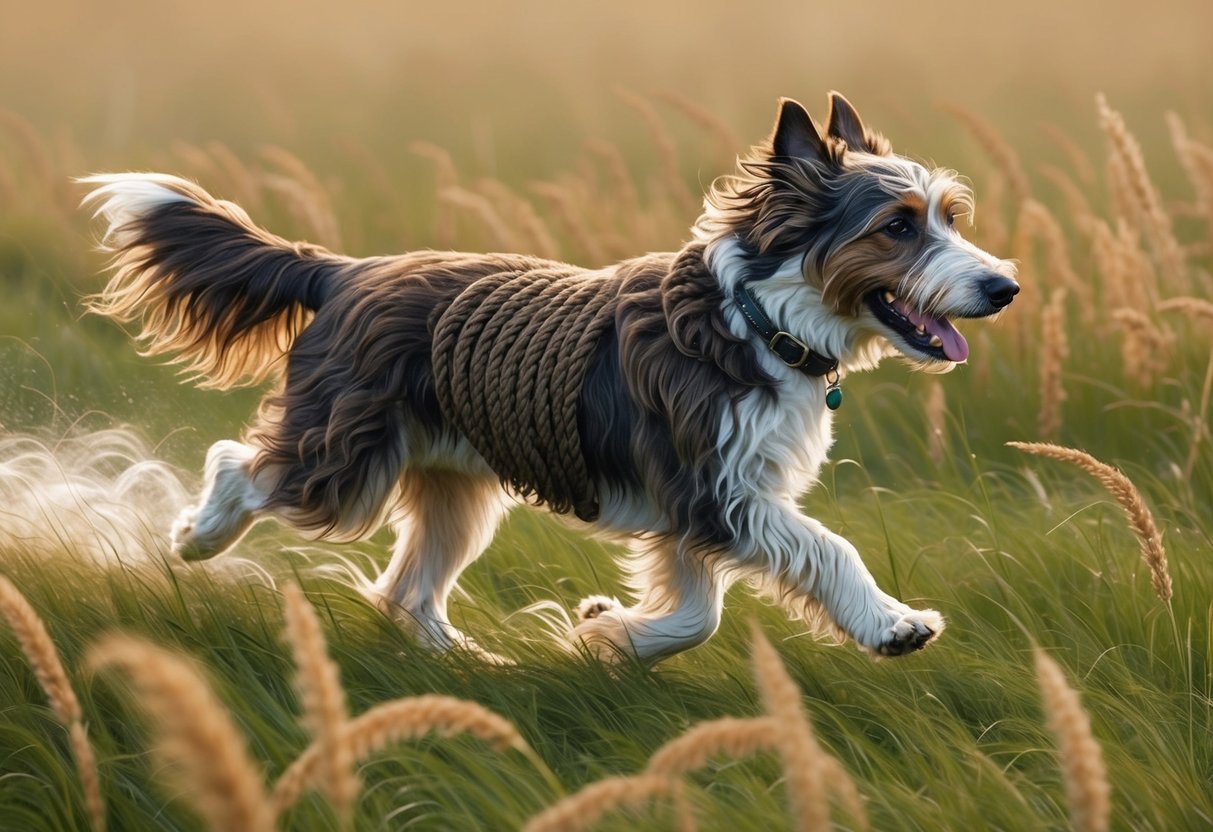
(955,347)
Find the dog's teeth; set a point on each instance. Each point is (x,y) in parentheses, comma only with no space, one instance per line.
(936,341)
(921,330)
(889,297)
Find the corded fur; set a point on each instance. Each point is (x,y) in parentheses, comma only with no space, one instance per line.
(510,355)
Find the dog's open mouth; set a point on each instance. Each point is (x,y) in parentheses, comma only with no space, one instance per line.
(930,335)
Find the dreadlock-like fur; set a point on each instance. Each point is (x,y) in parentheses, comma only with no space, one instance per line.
(694,438)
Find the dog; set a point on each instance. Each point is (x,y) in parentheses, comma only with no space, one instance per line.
(703,407)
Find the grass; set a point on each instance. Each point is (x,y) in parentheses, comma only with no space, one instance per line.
(1017,552)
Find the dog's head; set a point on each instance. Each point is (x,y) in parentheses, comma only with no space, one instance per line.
(875,233)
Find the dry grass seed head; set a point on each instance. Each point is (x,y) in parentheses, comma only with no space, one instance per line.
(199,745)
(733,737)
(324,712)
(446,175)
(534,230)
(1087,791)
(40,652)
(563,205)
(583,809)
(667,149)
(1141,521)
(995,147)
(479,206)
(1146,347)
(1155,222)
(1054,350)
(806,765)
(1073,151)
(1077,206)
(728,140)
(398,721)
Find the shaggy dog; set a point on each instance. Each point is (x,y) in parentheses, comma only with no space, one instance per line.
(702,405)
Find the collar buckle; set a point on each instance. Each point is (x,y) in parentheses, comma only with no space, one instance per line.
(782,337)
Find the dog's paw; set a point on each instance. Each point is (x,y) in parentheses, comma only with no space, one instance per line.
(596,605)
(182,541)
(912,631)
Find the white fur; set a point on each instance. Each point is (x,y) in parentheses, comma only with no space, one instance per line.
(125,197)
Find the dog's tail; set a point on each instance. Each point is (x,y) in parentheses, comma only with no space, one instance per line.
(223,296)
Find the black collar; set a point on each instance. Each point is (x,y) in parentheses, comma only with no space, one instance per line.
(790,349)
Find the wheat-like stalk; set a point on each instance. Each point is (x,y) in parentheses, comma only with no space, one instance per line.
(563,206)
(40,652)
(583,809)
(1073,151)
(996,147)
(1155,222)
(1054,350)
(1120,191)
(307,197)
(308,206)
(1087,791)
(1196,308)
(480,207)
(623,192)
(684,811)
(990,226)
(1146,349)
(398,721)
(1037,220)
(446,175)
(1077,205)
(1197,161)
(324,713)
(805,767)
(241,179)
(729,141)
(538,237)
(1044,226)
(1111,266)
(731,736)
(1141,521)
(667,148)
(198,743)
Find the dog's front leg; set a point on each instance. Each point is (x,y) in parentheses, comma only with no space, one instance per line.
(804,563)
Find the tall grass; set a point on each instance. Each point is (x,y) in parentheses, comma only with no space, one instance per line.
(1017,552)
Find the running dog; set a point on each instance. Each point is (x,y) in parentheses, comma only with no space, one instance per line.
(703,409)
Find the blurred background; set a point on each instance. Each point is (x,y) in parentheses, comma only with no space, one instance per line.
(510,86)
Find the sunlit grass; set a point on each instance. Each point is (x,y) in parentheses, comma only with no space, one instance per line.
(1015,552)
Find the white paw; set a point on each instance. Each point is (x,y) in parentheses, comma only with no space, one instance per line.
(602,633)
(912,630)
(182,542)
(595,605)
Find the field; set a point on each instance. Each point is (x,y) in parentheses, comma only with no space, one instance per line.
(590,136)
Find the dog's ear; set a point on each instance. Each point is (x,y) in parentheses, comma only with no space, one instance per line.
(846,124)
(795,135)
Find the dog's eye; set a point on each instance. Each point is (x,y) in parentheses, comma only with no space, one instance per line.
(900,227)
(951,219)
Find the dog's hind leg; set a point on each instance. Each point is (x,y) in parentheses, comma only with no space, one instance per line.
(227,507)
(681,598)
(446,520)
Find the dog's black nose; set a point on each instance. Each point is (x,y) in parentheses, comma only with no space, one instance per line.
(1000,290)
